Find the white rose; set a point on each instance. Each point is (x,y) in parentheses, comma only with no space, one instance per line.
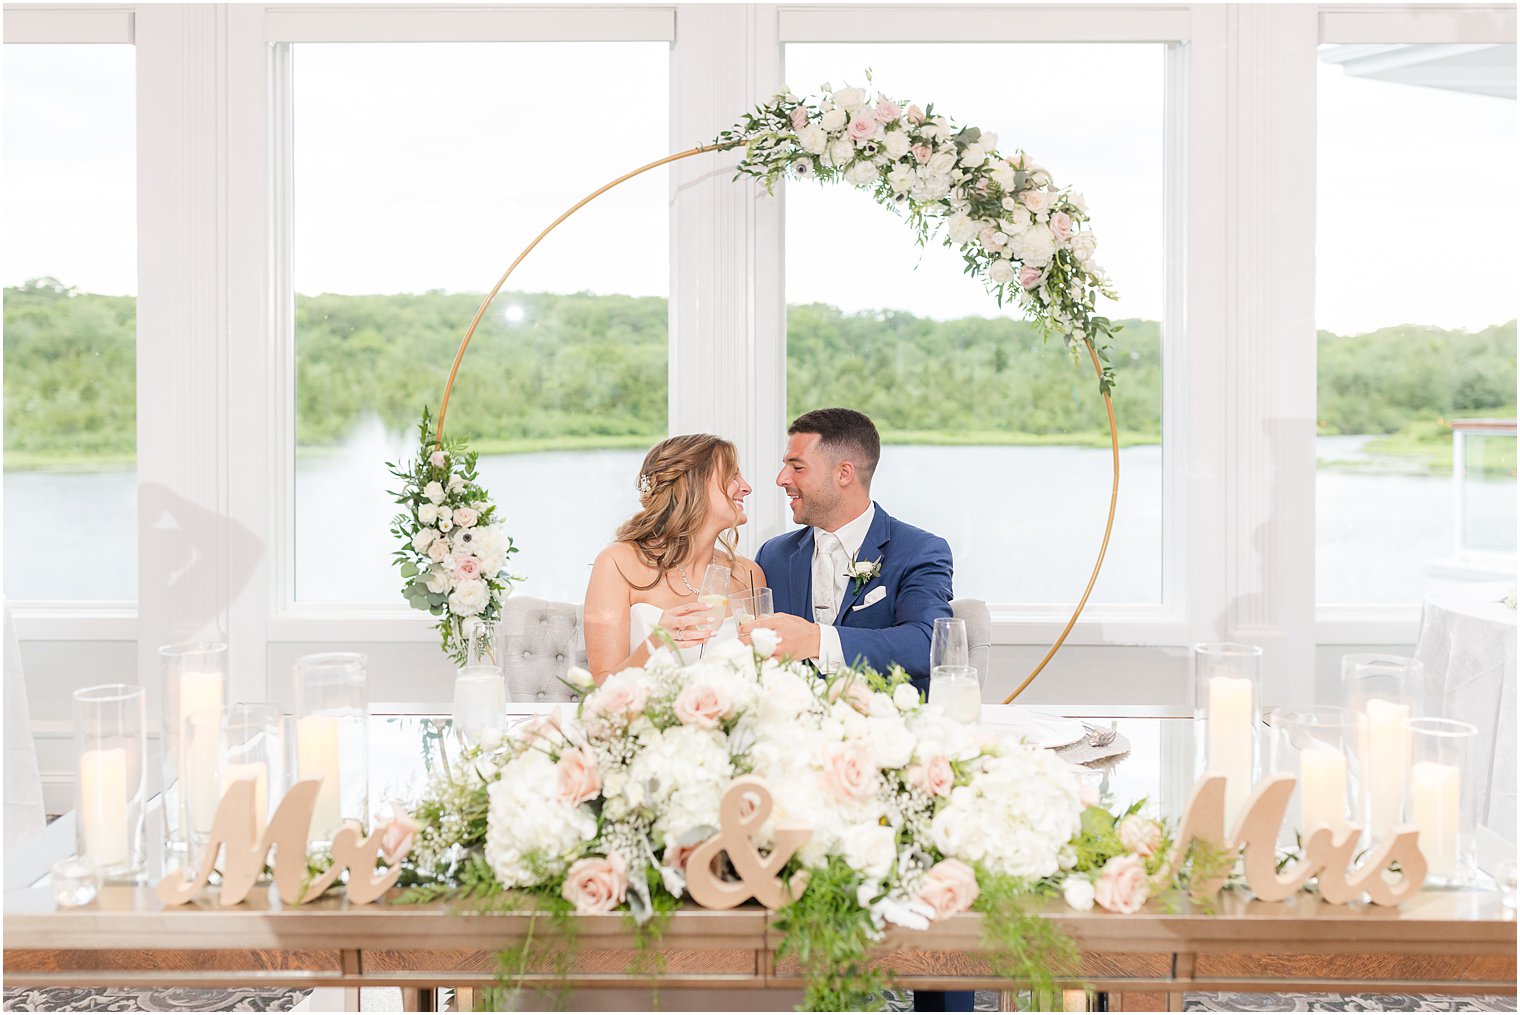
(1078,892)
(1035,200)
(1000,271)
(1083,246)
(469,597)
(973,155)
(962,228)
(1034,246)
(456,483)
(870,849)
(813,139)
(931,187)
(860,174)
(941,162)
(438,581)
(423,537)
(850,98)
(841,152)
(988,140)
(897,143)
(427,514)
(905,697)
(832,120)
(1078,202)
(1002,174)
(901,179)
(765,641)
(433,492)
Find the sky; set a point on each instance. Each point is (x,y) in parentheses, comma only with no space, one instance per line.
(428,166)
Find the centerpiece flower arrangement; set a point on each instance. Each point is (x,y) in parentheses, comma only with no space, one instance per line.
(914,818)
(453,551)
(1029,241)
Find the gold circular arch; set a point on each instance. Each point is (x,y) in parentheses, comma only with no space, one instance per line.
(1092,352)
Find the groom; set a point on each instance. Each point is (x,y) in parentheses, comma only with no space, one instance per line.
(824,612)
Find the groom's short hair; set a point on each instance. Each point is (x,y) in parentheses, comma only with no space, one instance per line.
(845,435)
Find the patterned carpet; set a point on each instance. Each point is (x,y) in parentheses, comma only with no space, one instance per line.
(186,999)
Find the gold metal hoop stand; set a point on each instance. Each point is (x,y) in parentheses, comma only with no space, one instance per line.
(1108,402)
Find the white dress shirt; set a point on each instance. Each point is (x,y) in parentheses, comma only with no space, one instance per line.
(850,535)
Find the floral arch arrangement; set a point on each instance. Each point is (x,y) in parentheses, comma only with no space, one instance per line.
(1027,239)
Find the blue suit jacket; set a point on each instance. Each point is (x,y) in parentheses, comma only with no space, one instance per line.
(915,571)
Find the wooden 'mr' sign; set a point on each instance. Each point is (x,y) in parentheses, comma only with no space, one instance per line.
(235,829)
(1324,853)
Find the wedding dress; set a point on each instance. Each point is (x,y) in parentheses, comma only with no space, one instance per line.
(642,618)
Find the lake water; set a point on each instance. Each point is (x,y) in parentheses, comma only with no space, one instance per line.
(1024,522)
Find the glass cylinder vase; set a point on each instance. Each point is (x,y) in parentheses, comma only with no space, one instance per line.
(332,738)
(194,677)
(1227,700)
(1441,798)
(110,802)
(480,701)
(245,742)
(1380,693)
(1309,744)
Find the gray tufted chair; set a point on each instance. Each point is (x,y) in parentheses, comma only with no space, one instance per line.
(978,632)
(540,642)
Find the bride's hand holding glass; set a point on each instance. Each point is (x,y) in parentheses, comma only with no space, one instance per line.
(687,624)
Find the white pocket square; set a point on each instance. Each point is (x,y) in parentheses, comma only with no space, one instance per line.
(873,597)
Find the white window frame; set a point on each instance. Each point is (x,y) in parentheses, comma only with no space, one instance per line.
(1398,623)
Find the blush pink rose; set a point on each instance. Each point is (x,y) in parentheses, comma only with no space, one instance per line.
(676,856)
(399,833)
(579,779)
(702,705)
(1122,886)
(464,517)
(950,887)
(620,694)
(438,549)
(921,153)
(1035,200)
(863,126)
(887,111)
(855,694)
(1029,277)
(849,774)
(467,567)
(596,884)
(1140,835)
(933,775)
(1061,226)
(989,237)
(438,459)
(914,115)
(546,728)
(799,118)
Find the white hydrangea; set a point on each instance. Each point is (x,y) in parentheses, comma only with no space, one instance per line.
(1016,816)
(531,836)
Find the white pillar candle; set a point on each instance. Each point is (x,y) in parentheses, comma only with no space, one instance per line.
(258,772)
(103,805)
(1435,795)
(1322,782)
(317,750)
(1231,740)
(199,691)
(480,702)
(1384,764)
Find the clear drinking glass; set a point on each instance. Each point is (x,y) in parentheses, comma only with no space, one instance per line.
(751,605)
(332,738)
(948,645)
(194,676)
(957,691)
(111,792)
(480,701)
(1380,695)
(1442,797)
(1227,697)
(714,593)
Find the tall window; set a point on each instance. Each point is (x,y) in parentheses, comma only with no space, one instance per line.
(995,439)
(420,171)
(70,276)
(1416,282)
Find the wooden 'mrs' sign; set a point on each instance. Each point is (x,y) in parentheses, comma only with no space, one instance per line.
(235,829)
(1324,853)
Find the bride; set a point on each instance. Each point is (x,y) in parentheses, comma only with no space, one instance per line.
(691,504)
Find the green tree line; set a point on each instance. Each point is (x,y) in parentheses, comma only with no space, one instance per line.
(548,370)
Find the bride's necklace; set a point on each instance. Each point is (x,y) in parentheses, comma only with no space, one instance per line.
(687,581)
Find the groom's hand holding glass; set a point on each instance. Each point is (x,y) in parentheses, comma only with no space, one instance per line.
(799,638)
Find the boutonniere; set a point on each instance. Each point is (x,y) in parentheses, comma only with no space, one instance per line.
(863,572)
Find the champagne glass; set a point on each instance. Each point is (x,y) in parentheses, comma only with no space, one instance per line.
(714,593)
(949,646)
(752,605)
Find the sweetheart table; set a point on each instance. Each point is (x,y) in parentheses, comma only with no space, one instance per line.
(1442,941)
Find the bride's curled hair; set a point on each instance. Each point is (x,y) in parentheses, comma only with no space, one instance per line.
(673,502)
